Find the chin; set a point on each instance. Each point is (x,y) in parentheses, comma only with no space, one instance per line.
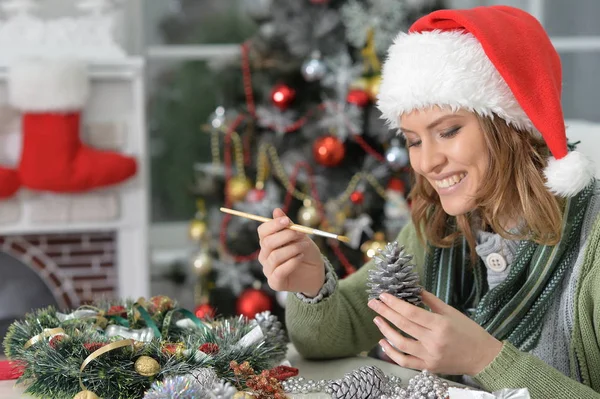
(457,206)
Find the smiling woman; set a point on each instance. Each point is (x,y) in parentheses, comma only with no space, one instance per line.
(465,162)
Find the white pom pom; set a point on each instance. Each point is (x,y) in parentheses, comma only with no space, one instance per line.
(569,175)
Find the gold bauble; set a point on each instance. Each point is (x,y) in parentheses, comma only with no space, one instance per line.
(198,230)
(374,83)
(371,248)
(86,395)
(202,263)
(238,187)
(308,215)
(243,395)
(146,366)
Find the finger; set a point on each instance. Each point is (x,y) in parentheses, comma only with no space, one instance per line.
(435,304)
(273,226)
(400,342)
(283,254)
(411,312)
(404,360)
(404,324)
(279,279)
(278,212)
(280,239)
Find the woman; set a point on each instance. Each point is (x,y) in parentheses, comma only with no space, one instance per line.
(504,229)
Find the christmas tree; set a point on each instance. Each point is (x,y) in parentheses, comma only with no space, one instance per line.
(295,127)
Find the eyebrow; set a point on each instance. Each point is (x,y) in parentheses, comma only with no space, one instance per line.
(434,123)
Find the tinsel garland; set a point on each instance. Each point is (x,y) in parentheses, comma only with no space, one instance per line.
(52,361)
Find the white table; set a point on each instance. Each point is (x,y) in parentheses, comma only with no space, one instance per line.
(317,370)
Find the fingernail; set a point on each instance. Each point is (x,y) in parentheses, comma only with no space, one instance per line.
(384,297)
(381,345)
(284,220)
(377,321)
(373,303)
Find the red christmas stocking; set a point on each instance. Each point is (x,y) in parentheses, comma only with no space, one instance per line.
(9,182)
(50,94)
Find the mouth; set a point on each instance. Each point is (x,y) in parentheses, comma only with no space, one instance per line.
(450,181)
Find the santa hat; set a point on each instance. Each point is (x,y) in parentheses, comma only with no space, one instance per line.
(489,60)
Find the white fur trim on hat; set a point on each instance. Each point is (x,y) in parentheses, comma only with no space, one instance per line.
(569,175)
(37,85)
(448,69)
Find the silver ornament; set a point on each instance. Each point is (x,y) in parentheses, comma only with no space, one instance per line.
(314,68)
(396,156)
(217,118)
(267,31)
(257,9)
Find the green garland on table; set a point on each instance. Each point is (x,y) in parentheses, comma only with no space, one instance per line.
(52,347)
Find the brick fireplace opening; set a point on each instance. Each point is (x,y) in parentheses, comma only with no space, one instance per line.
(63,269)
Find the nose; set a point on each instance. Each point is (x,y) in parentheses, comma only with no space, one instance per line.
(432,157)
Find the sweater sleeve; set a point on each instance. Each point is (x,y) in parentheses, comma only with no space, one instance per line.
(341,324)
(515,369)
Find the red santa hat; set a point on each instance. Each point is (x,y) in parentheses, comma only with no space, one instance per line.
(489,60)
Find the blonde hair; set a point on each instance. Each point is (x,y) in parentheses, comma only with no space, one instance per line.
(513,189)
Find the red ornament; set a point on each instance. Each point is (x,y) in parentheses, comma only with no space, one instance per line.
(283,372)
(255,195)
(117,311)
(204,311)
(253,301)
(358,97)
(282,96)
(396,184)
(209,348)
(54,341)
(329,151)
(94,346)
(357,197)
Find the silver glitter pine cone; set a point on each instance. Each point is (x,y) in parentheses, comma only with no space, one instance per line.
(364,383)
(394,273)
(273,331)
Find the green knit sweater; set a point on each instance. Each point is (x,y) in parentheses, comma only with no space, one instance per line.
(341,325)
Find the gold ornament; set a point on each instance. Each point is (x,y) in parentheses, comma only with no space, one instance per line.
(238,187)
(243,395)
(146,366)
(371,248)
(86,395)
(308,215)
(202,263)
(369,53)
(198,230)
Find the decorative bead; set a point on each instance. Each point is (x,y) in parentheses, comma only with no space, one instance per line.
(146,366)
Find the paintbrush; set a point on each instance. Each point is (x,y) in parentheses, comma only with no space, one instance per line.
(295,227)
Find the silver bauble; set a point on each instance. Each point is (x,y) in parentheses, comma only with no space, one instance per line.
(314,68)
(396,156)
(258,9)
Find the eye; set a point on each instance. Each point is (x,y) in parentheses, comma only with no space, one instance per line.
(414,143)
(450,133)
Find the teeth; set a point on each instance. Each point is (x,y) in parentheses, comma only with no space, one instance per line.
(450,181)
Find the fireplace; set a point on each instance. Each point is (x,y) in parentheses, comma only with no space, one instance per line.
(69,249)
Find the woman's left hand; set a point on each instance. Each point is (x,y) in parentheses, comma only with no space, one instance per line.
(445,340)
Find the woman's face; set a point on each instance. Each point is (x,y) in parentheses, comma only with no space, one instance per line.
(448,149)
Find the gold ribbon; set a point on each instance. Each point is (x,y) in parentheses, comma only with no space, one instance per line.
(48,332)
(100,352)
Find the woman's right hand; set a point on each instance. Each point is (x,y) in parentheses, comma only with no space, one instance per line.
(291,261)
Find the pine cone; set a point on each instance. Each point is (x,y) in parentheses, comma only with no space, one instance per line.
(271,326)
(364,383)
(394,274)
